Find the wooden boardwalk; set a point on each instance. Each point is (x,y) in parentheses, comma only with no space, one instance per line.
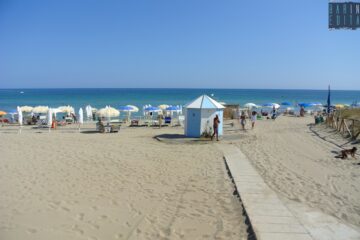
(271,217)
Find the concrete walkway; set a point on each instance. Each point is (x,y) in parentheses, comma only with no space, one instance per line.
(273,218)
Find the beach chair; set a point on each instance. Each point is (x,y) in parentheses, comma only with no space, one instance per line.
(134,122)
(167,120)
(181,120)
(100,127)
(115,128)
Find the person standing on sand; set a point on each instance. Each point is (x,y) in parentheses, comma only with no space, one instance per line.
(160,117)
(302,111)
(253,119)
(243,120)
(216,128)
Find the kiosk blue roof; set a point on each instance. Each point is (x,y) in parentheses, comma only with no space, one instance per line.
(204,102)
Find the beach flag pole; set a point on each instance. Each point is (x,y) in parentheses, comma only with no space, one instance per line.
(328,101)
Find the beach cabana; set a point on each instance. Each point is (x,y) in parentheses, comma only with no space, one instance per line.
(40,109)
(199,116)
(26,109)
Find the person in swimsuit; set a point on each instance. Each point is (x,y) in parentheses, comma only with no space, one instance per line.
(253,119)
(216,128)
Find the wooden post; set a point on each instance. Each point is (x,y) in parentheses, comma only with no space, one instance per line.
(353,128)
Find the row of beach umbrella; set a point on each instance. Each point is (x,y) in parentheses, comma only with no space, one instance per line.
(285,104)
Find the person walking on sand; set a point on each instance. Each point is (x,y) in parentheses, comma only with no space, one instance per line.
(160,118)
(216,128)
(243,120)
(253,119)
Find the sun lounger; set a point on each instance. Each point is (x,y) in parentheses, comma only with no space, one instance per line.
(69,120)
(4,120)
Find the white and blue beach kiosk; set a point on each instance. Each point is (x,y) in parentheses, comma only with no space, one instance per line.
(200,114)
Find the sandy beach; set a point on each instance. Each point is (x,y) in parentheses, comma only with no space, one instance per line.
(129,185)
(298,162)
(70,185)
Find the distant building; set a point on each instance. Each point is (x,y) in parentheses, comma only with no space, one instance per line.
(199,116)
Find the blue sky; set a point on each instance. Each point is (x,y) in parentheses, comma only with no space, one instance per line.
(175,43)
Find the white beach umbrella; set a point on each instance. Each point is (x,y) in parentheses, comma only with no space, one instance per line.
(40,109)
(108,112)
(250,105)
(276,105)
(271,105)
(163,106)
(56,110)
(20,116)
(135,108)
(26,109)
(67,109)
(81,116)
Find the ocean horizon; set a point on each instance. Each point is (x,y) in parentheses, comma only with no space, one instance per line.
(115,97)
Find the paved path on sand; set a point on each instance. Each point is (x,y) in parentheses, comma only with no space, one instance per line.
(273,218)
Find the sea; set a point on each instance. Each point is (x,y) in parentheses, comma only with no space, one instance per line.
(116,97)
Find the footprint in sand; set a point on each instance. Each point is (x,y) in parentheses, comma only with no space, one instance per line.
(65,209)
(118,236)
(32,230)
(78,230)
(80,216)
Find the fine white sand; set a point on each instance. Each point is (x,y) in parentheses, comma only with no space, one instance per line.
(70,185)
(301,166)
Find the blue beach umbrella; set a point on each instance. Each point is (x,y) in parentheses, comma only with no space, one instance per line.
(355,104)
(286,104)
(172,108)
(267,105)
(309,104)
(152,109)
(129,109)
(305,105)
(126,108)
(271,105)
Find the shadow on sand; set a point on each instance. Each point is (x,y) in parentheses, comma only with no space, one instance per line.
(89,132)
(172,136)
(180,138)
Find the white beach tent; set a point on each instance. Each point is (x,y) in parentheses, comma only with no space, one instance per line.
(199,116)
(66,109)
(40,109)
